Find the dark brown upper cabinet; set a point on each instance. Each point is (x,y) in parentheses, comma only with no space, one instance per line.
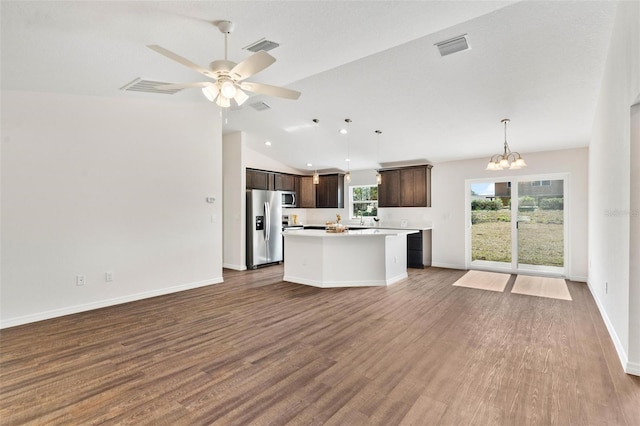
(259,179)
(284,182)
(330,191)
(405,187)
(306,192)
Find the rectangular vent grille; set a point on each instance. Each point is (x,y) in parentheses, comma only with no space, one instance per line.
(148,86)
(260,106)
(262,44)
(453,45)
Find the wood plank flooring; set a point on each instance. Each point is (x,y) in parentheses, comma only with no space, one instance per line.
(260,351)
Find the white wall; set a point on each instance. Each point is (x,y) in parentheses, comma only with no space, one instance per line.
(91,185)
(255,160)
(609,189)
(234,183)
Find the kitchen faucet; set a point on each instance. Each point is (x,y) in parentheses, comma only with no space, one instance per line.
(361,217)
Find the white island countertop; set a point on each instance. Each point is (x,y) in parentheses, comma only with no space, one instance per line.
(395,225)
(319,233)
(363,257)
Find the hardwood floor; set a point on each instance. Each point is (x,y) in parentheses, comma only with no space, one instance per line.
(257,350)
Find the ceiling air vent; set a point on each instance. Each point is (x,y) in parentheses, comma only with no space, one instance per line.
(453,45)
(149,86)
(260,106)
(262,44)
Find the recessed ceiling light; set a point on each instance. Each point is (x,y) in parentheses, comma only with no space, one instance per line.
(347,159)
(343,131)
(267,143)
(309,164)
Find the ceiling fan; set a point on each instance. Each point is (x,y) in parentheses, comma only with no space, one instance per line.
(228,77)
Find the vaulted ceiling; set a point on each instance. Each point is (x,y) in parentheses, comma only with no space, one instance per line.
(538,63)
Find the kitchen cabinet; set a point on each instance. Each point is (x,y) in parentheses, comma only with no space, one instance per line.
(284,182)
(389,189)
(419,249)
(306,192)
(330,191)
(405,187)
(259,179)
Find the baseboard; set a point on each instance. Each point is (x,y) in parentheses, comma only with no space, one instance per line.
(578,278)
(622,355)
(40,316)
(632,368)
(448,266)
(336,284)
(234,267)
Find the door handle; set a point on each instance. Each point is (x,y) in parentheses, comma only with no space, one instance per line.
(267,225)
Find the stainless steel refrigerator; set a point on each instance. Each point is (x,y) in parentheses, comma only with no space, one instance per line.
(264,227)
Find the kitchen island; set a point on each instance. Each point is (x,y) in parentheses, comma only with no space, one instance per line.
(356,258)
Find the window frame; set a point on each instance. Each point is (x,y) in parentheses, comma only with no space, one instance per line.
(352,203)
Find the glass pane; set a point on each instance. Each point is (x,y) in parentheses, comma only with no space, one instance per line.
(491,222)
(364,208)
(541,223)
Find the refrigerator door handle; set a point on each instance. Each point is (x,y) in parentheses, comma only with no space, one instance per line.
(267,225)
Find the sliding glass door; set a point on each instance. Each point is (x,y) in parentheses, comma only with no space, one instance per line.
(541,225)
(517,225)
(491,240)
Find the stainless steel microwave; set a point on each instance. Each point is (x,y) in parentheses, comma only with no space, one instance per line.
(288,199)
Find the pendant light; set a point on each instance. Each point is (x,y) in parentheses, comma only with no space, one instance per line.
(378,175)
(508,159)
(347,176)
(316,176)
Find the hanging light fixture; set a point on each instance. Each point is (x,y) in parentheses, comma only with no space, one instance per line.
(378,175)
(347,176)
(316,176)
(508,159)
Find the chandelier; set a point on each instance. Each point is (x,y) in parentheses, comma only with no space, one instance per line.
(508,159)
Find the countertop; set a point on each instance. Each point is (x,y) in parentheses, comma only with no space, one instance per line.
(410,226)
(319,233)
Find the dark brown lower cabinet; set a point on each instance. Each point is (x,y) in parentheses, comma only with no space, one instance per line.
(419,249)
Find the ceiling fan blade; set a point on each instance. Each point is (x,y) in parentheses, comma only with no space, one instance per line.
(187,85)
(252,65)
(266,89)
(169,54)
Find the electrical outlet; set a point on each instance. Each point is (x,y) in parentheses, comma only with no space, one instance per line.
(108,276)
(81,279)
(606,287)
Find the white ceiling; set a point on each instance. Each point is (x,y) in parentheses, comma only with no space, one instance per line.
(538,63)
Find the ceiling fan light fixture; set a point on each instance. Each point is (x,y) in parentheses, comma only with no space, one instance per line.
(240,97)
(223,102)
(210,92)
(228,89)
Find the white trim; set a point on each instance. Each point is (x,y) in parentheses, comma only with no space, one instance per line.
(633,368)
(450,266)
(578,278)
(622,355)
(234,267)
(334,284)
(40,316)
